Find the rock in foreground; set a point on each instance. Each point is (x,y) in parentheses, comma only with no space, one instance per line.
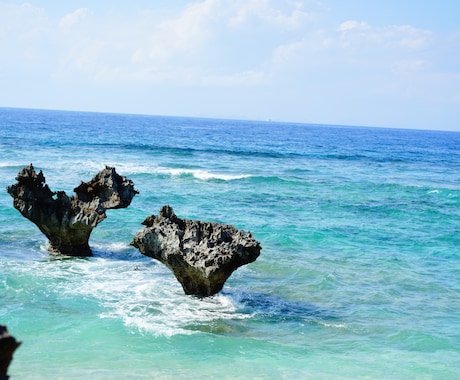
(201,255)
(67,221)
(8,344)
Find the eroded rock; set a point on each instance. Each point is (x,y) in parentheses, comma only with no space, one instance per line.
(8,344)
(201,255)
(67,221)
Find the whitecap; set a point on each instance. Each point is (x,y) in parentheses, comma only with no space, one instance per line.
(10,164)
(205,175)
(112,247)
(333,325)
(201,174)
(128,169)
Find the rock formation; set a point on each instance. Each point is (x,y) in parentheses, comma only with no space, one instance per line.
(67,221)
(8,344)
(201,255)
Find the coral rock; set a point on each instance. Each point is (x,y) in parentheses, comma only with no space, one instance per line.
(67,221)
(8,344)
(201,255)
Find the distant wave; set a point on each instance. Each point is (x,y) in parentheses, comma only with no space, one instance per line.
(127,169)
(200,174)
(12,165)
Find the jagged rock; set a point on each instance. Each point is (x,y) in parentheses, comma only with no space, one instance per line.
(8,344)
(201,255)
(67,221)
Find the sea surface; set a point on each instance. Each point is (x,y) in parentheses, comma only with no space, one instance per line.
(359,275)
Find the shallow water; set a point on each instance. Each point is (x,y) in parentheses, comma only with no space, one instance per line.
(358,276)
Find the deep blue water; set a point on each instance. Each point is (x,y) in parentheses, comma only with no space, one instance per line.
(359,275)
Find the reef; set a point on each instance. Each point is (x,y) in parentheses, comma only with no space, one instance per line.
(67,221)
(201,255)
(8,344)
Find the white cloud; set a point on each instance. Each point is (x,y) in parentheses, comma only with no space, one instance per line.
(246,12)
(24,30)
(357,43)
(215,40)
(236,47)
(354,33)
(361,61)
(205,39)
(73,18)
(247,78)
(409,37)
(23,22)
(211,35)
(182,34)
(353,25)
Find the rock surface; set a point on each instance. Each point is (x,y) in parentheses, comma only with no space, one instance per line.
(67,221)
(201,255)
(8,344)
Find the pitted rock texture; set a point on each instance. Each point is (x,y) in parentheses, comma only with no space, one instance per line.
(67,221)
(201,255)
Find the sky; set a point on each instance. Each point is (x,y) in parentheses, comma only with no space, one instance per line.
(392,63)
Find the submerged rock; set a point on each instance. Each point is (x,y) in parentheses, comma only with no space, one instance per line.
(8,344)
(201,255)
(67,221)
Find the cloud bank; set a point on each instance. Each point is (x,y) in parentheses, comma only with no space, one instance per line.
(289,60)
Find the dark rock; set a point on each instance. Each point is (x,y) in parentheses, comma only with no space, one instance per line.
(201,255)
(8,344)
(67,221)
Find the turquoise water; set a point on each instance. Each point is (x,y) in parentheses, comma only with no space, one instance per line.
(359,275)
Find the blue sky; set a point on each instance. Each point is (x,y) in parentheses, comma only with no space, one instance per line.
(386,63)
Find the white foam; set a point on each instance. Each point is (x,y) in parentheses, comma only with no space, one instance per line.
(12,164)
(142,294)
(169,312)
(333,325)
(204,175)
(201,174)
(112,247)
(92,167)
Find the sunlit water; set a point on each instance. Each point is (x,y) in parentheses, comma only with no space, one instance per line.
(359,275)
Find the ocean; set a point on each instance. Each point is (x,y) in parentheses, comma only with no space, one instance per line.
(358,278)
